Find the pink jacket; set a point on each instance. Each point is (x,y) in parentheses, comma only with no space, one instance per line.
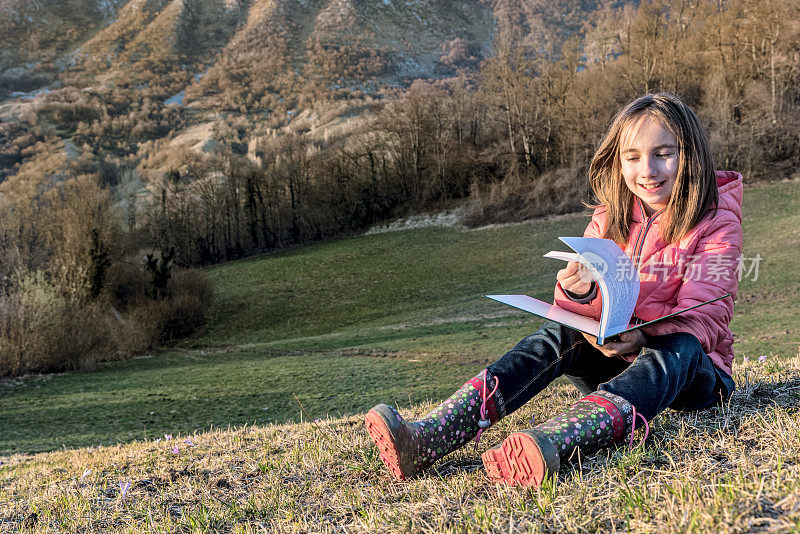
(702,265)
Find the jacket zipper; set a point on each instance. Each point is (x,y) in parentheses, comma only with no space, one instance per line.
(639,245)
(637,248)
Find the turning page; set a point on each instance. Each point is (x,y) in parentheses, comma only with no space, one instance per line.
(618,279)
(616,275)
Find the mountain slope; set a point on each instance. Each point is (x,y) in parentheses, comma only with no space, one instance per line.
(347,42)
(36,36)
(124,82)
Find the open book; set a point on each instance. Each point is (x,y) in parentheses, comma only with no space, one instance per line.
(618,281)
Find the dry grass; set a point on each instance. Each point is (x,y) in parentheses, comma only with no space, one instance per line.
(76,335)
(731,469)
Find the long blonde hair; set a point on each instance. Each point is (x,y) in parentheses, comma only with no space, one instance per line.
(695,189)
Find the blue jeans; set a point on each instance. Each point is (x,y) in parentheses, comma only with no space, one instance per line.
(670,371)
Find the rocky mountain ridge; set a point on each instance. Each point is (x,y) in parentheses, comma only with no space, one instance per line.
(395,40)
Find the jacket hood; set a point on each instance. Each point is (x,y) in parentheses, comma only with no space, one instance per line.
(730,186)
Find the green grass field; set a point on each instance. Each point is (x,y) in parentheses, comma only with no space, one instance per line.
(343,325)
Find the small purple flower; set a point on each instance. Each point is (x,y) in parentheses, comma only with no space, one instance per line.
(188,441)
(123,488)
(84,475)
(167,437)
(175,450)
(762,359)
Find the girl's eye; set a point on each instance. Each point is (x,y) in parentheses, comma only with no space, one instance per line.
(664,154)
(632,158)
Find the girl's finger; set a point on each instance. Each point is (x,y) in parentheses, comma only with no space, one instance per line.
(567,271)
(571,272)
(574,267)
(569,280)
(584,275)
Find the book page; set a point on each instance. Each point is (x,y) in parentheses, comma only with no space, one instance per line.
(550,311)
(566,256)
(617,277)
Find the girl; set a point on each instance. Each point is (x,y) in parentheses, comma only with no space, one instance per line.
(660,199)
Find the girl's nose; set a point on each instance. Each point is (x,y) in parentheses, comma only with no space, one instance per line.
(649,167)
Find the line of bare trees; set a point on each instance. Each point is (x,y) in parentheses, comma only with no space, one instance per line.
(421,149)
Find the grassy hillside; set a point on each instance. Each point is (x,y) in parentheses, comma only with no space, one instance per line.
(422,289)
(730,469)
(372,291)
(348,314)
(396,317)
(346,324)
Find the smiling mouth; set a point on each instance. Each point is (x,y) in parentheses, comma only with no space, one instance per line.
(651,187)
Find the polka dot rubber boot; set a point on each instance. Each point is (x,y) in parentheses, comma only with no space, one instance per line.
(526,458)
(408,448)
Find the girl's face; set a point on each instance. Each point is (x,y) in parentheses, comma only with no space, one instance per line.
(649,162)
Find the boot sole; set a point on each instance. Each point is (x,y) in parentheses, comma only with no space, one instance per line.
(378,430)
(520,461)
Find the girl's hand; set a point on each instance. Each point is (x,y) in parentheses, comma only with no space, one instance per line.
(575,278)
(629,343)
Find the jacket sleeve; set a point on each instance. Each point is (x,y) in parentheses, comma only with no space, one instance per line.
(709,272)
(593,307)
